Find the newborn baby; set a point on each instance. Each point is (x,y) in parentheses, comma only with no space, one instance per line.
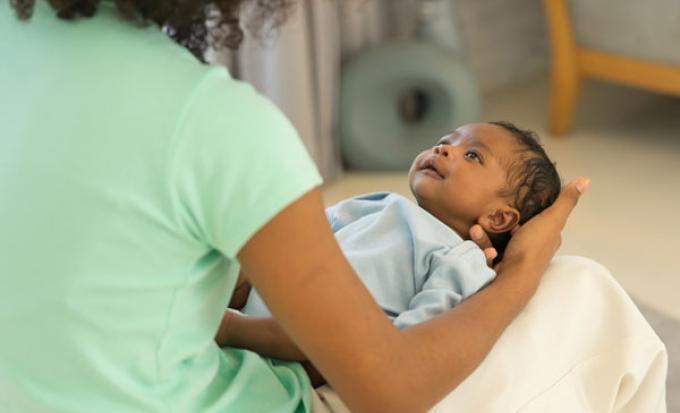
(416,259)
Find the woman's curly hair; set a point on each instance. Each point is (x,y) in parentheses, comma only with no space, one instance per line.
(196,24)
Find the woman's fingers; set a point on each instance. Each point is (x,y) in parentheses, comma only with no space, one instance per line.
(565,203)
(556,213)
(479,237)
(490,254)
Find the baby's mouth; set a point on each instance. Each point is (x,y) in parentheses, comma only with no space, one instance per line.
(429,167)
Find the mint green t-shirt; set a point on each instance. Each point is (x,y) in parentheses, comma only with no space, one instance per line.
(130,177)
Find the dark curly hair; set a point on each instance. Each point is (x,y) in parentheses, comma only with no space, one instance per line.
(533,181)
(196,24)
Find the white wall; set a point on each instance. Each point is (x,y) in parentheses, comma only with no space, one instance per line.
(505,40)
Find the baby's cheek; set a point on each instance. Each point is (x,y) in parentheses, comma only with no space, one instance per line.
(462,201)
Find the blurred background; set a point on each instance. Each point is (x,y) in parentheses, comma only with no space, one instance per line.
(369,83)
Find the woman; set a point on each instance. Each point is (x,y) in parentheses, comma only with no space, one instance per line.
(136,182)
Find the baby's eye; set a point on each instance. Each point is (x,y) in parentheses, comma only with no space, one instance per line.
(473,156)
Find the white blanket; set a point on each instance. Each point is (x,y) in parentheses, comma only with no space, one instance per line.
(580,345)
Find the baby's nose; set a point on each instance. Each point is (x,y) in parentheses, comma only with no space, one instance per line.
(443,150)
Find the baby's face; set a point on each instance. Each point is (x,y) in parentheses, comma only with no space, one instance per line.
(459,179)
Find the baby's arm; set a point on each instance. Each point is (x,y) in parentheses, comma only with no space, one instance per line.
(454,275)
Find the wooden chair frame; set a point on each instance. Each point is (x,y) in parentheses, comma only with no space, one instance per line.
(571,64)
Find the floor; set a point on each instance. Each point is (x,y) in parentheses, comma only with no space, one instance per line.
(628,142)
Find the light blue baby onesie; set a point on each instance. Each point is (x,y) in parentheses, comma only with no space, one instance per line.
(414,265)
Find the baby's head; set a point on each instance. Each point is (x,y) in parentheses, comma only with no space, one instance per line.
(493,174)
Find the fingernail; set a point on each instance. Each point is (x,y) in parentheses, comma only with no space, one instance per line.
(582,185)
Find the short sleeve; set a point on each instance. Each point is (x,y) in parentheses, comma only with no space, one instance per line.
(456,274)
(238,161)
(330,216)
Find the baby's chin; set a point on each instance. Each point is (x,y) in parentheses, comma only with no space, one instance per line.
(424,197)
(412,174)
(423,186)
(417,188)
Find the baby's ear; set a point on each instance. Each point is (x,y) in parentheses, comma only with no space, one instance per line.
(499,220)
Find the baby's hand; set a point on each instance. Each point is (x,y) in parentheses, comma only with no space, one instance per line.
(479,237)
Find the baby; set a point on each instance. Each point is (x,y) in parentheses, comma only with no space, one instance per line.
(417,260)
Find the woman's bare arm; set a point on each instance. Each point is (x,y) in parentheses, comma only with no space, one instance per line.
(262,335)
(297,267)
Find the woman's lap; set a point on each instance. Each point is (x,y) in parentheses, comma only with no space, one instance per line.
(580,345)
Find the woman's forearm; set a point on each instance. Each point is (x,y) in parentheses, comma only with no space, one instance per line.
(452,345)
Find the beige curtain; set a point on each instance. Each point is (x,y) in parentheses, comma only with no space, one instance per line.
(298,67)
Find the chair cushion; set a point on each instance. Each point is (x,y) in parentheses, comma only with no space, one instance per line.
(642,29)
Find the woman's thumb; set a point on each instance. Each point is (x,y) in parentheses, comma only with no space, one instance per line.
(581,184)
(568,198)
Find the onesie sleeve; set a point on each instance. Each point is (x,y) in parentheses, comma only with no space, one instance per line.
(455,274)
(330,216)
(238,161)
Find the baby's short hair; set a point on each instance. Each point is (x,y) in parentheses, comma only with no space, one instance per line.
(533,181)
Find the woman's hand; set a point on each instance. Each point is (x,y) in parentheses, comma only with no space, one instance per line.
(479,237)
(539,238)
(262,335)
(241,291)
(223,335)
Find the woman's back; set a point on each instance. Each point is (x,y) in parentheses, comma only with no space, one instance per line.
(111,287)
